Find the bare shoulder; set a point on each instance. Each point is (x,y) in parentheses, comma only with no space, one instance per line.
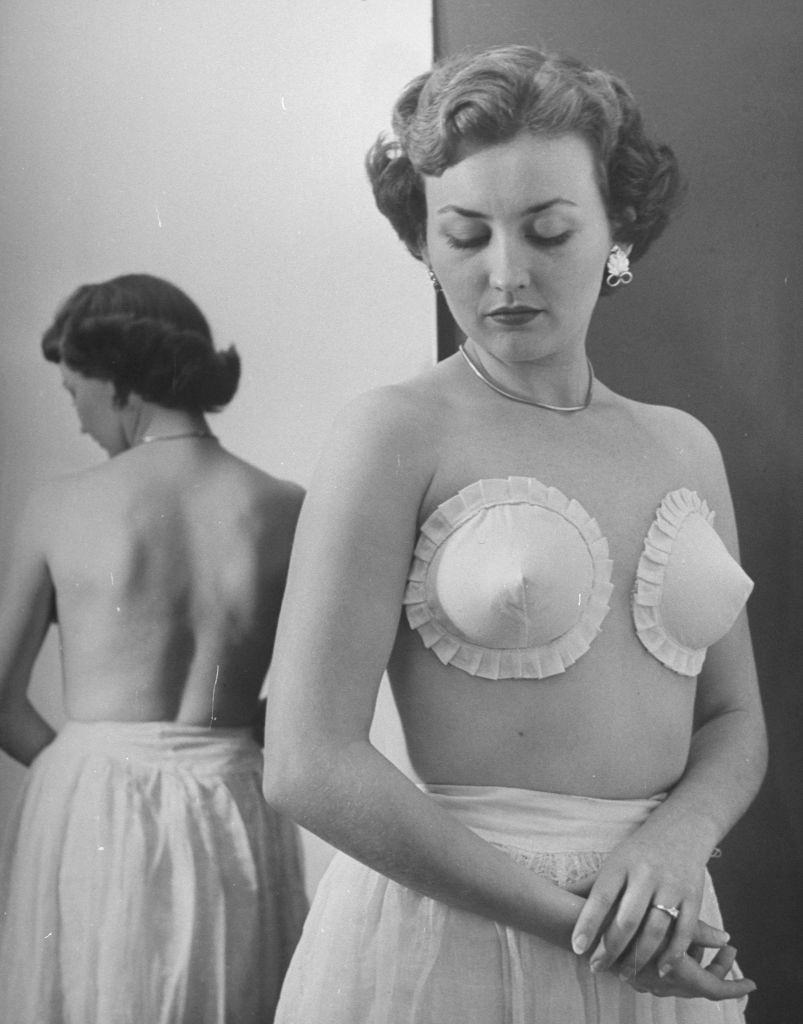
(273,501)
(690,453)
(283,496)
(408,409)
(374,466)
(286,496)
(396,425)
(34,523)
(280,504)
(685,434)
(54,503)
(54,514)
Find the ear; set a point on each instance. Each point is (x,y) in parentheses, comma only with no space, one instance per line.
(127,404)
(620,226)
(133,402)
(109,392)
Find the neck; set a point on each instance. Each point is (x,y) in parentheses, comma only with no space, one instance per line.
(558,389)
(156,423)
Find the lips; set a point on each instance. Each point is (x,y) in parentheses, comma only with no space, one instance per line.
(513,316)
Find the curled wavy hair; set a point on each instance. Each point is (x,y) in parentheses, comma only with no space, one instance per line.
(145,336)
(487,97)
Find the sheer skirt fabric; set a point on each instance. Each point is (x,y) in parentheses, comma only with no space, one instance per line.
(144,880)
(375,952)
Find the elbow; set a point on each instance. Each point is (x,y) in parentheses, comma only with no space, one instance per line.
(283,756)
(289,779)
(753,757)
(279,785)
(758,751)
(761,757)
(306,779)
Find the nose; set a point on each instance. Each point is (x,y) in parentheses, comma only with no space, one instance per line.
(509,269)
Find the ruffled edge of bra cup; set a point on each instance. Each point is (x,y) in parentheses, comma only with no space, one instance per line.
(500,663)
(659,543)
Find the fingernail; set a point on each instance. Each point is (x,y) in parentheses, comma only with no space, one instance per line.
(596,966)
(580,944)
(627,974)
(664,969)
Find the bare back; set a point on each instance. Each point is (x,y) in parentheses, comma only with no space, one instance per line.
(168,564)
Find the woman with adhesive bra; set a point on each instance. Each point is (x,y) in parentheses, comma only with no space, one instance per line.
(549,572)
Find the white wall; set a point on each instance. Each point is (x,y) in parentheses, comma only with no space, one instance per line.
(219,145)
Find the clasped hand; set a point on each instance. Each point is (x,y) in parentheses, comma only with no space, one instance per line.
(623,928)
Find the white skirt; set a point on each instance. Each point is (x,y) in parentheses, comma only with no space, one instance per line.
(375,952)
(144,880)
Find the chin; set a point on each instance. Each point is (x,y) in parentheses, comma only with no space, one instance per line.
(516,345)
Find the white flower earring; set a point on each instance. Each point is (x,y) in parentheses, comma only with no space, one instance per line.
(618,267)
(435,282)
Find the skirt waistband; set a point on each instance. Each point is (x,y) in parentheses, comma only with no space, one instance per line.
(163,744)
(543,822)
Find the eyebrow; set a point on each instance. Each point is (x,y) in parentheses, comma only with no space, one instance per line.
(537,208)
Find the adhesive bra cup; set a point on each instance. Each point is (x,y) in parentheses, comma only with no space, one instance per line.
(511,579)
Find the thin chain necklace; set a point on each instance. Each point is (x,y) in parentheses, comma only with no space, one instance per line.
(487,379)
(147,438)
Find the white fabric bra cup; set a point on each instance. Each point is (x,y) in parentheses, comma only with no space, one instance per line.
(510,579)
(689,590)
(704,588)
(529,586)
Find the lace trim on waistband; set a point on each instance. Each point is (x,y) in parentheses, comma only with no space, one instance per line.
(564,869)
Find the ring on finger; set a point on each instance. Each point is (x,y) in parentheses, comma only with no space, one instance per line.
(674,912)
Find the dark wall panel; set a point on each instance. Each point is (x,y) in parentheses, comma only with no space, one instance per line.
(711,324)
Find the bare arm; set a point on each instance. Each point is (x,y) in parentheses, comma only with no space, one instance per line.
(664,860)
(336,631)
(25,614)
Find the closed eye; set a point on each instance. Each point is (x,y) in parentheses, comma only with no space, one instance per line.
(547,241)
(466,243)
(541,241)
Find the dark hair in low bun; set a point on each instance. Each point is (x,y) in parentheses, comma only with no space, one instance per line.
(488,97)
(145,336)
